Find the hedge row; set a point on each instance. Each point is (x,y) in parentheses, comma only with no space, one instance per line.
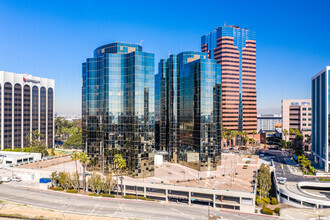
(107,195)
(138,197)
(58,188)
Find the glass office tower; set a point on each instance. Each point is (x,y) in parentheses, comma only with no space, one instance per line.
(118,107)
(190,103)
(320,118)
(234,48)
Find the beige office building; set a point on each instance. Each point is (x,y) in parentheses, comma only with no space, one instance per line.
(297,114)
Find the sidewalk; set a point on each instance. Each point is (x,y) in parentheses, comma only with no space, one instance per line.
(302,214)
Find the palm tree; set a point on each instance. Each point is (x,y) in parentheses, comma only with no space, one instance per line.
(84,160)
(285,133)
(233,134)
(121,164)
(254,132)
(75,156)
(116,161)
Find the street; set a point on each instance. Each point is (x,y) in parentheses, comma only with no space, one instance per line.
(110,207)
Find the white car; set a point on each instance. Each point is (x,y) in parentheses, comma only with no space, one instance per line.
(17,179)
(281,180)
(5,179)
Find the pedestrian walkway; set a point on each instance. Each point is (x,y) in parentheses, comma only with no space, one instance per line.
(302,214)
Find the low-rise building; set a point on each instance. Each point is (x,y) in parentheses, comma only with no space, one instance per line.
(9,157)
(268,122)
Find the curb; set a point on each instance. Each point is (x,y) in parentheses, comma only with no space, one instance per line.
(87,196)
(245,213)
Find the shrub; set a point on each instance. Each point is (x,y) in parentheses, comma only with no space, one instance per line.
(93,194)
(260,202)
(274,201)
(107,195)
(134,197)
(130,197)
(58,188)
(266,211)
(150,199)
(277,210)
(266,200)
(72,191)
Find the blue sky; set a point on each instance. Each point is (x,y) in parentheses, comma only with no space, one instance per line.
(52,38)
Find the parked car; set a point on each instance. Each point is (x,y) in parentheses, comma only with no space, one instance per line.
(17,179)
(5,179)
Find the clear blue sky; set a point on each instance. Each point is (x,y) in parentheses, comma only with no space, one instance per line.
(52,38)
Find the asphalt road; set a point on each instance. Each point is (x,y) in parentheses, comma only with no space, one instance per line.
(110,207)
(280,161)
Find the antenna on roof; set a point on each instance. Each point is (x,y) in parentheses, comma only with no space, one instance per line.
(224,24)
(141,42)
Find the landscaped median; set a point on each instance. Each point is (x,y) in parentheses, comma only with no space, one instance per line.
(102,194)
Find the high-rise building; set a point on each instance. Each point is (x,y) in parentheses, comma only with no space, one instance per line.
(234,48)
(190,100)
(26,105)
(118,106)
(297,114)
(320,118)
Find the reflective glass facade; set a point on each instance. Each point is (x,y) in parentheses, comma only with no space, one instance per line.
(118,106)
(189,108)
(320,118)
(234,48)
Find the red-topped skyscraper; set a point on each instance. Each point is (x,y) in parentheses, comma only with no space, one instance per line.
(234,49)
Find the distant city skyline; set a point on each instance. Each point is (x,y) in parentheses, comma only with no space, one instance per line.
(52,39)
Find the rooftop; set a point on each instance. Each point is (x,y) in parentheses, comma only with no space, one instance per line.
(229,176)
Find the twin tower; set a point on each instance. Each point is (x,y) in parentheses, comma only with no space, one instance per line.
(179,112)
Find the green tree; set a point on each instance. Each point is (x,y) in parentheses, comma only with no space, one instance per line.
(228,135)
(36,143)
(120,164)
(84,160)
(75,156)
(74,181)
(254,133)
(264,180)
(74,141)
(285,133)
(64,180)
(95,182)
(108,183)
(54,178)
(53,152)
(292,132)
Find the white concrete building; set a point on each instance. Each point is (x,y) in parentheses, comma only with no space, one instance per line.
(7,157)
(27,104)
